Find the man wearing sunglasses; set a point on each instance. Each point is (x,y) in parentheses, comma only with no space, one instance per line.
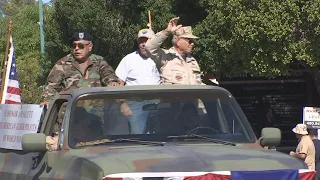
(177,65)
(137,68)
(79,69)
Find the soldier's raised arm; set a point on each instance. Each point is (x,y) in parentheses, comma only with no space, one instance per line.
(153,45)
(108,76)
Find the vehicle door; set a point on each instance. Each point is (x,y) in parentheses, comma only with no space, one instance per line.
(42,162)
(15,164)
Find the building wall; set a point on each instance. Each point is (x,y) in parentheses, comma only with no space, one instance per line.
(274,103)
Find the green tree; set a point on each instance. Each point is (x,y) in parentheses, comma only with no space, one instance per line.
(12,7)
(26,37)
(102,19)
(262,38)
(114,24)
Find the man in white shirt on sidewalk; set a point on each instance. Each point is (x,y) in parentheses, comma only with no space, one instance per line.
(137,68)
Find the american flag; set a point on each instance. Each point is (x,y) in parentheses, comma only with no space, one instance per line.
(284,174)
(11,92)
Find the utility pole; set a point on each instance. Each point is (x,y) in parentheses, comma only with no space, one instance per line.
(41,35)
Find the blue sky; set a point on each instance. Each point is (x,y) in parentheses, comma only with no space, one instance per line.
(45,1)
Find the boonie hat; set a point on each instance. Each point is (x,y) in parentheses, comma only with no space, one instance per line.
(300,129)
(78,36)
(185,32)
(148,33)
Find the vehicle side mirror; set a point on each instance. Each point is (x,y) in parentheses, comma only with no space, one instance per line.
(270,137)
(34,142)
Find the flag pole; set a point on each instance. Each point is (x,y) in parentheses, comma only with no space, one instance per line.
(150,22)
(41,36)
(5,62)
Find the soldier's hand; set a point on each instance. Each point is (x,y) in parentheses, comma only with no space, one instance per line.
(52,143)
(292,153)
(45,104)
(125,109)
(113,84)
(172,25)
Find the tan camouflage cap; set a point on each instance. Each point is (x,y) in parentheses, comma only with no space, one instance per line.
(148,33)
(185,32)
(300,129)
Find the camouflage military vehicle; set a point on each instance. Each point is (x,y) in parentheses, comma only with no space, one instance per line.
(188,129)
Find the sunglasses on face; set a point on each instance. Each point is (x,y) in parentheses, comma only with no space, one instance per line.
(79,45)
(190,41)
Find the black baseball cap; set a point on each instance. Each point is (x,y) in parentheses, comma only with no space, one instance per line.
(78,36)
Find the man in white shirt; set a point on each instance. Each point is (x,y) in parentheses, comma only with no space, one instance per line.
(137,68)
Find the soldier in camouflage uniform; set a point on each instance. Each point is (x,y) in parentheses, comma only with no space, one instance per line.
(176,65)
(80,69)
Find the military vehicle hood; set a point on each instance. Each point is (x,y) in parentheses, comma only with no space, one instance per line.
(181,158)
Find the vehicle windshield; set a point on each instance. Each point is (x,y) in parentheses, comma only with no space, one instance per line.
(157,116)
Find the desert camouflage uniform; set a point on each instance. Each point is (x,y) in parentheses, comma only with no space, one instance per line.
(174,68)
(66,75)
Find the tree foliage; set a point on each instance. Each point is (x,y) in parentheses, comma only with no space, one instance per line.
(260,37)
(114,24)
(26,41)
(13,7)
(105,20)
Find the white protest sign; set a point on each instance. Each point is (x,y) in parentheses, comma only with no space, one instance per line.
(17,120)
(311,117)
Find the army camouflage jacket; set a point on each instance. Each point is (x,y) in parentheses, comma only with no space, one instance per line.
(66,75)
